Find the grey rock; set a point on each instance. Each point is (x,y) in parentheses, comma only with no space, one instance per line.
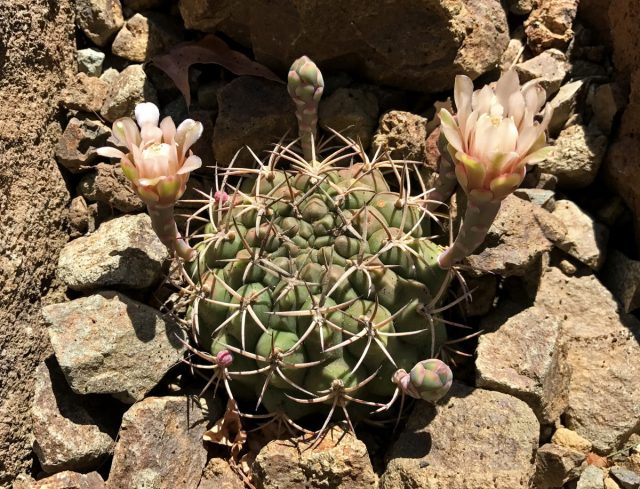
(67,436)
(402,135)
(548,68)
(99,19)
(538,196)
(556,465)
(110,344)
(90,61)
(521,355)
(86,93)
(585,239)
(110,76)
(626,479)
(351,111)
(475,438)
(76,149)
(576,157)
(602,348)
(61,480)
(621,275)
(129,89)
(160,445)
(592,477)
(564,105)
(107,184)
(144,36)
(123,252)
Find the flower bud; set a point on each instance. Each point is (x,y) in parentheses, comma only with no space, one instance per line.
(431,379)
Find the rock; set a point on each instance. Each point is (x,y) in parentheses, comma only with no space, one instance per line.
(549,24)
(144,36)
(99,19)
(512,55)
(621,275)
(521,355)
(623,20)
(62,480)
(609,483)
(76,149)
(549,68)
(110,344)
(340,461)
(86,94)
(67,436)
(81,217)
(570,439)
(441,38)
(625,478)
(520,7)
(123,252)
(538,196)
(608,101)
(129,89)
(564,105)
(556,465)
(403,135)
(110,76)
(160,445)
(107,184)
(586,239)
(353,112)
(604,403)
(591,478)
(252,112)
(484,290)
(219,475)
(208,94)
(90,61)
(475,438)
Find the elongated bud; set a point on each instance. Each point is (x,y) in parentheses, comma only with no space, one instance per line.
(431,379)
(224,358)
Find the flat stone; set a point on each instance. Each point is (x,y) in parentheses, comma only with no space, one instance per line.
(86,93)
(521,355)
(402,135)
(548,68)
(144,36)
(538,196)
(564,105)
(107,184)
(99,19)
(601,343)
(340,461)
(62,480)
(576,157)
(67,435)
(556,465)
(110,344)
(550,24)
(160,445)
(626,479)
(219,475)
(585,239)
(621,275)
(475,438)
(571,439)
(129,89)
(90,61)
(76,149)
(123,252)
(353,112)
(591,478)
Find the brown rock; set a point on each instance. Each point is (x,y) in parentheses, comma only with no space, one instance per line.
(219,475)
(402,135)
(160,445)
(81,217)
(570,439)
(107,184)
(99,19)
(76,150)
(594,13)
(144,36)
(87,93)
(624,17)
(549,68)
(550,24)
(621,275)
(352,112)
(556,465)
(564,105)
(130,88)
(608,101)
(62,480)
(484,290)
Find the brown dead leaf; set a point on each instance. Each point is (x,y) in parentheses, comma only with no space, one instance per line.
(597,460)
(208,50)
(228,431)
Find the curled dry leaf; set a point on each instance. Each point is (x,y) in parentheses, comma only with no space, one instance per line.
(208,50)
(228,431)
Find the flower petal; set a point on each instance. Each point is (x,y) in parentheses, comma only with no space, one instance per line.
(126,132)
(147,114)
(188,132)
(150,135)
(130,171)
(450,129)
(110,152)
(147,194)
(168,188)
(507,84)
(192,163)
(168,130)
(474,170)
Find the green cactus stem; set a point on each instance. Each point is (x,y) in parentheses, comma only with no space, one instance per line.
(164,224)
(447,181)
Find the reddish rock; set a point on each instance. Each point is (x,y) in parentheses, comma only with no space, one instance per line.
(624,19)
(550,24)
(62,480)
(87,94)
(76,149)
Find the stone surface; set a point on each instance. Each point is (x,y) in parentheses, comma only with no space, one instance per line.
(626,479)
(549,68)
(538,196)
(576,157)
(550,24)
(252,112)
(76,149)
(67,435)
(99,19)
(603,347)
(624,17)
(107,184)
(475,438)
(591,478)
(129,89)
(110,344)
(621,275)
(403,135)
(160,445)
(484,290)
(520,7)
(110,76)
(86,93)
(586,239)
(144,36)
(521,355)
(440,38)
(556,465)
(218,474)
(564,105)
(123,252)
(340,461)
(513,53)
(571,439)
(90,61)
(62,480)
(81,217)
(608,101)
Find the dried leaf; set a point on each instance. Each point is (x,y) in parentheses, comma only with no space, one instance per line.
(228,431)
(209,50)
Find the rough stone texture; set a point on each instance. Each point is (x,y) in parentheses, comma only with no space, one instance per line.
(514,50)
(484,291)
(81,217)
(591,478)
(123,252)
(571,439)
(144,36)
(564,105)
(110,75)
(549,68)
(474,439)
(624,17)
(520,7)
(577,154)
(609,483)
(403,135)
(160,445)
(340,461)
(90,61)
(625,478)
(252,112)
(129,89)
(586,239)
(86,93)
(110,344)
(603,348)
(549,24)
(76,148)
(556,465)
(107,184)
(99,19)
(219,475)
(37,58)
(67,436)
(608,101)
(521,355)
(538,196)
(62,480)
(440,38)
(621,275)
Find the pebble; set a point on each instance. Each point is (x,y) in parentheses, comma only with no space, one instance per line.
(76,149)
(107,184)
(99,19)
(556,465)
(86,93)
(571,439)
(564,105)
(591,478)
(548,68)
(129,89)
(144,36)
(402,135)
(625,478)
(90,61)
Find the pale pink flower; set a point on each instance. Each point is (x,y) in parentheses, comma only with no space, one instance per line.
(495,134)
(158,161)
